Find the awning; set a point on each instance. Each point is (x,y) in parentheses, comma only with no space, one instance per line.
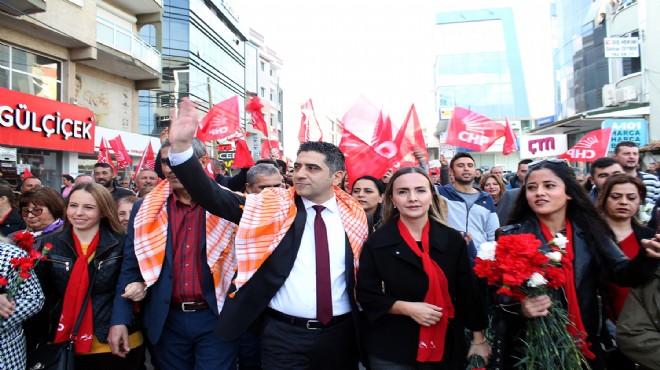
(591,120)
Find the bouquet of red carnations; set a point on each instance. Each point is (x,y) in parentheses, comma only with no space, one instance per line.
(24,265)
(517,266)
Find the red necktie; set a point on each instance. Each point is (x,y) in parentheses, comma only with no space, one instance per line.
(323,290)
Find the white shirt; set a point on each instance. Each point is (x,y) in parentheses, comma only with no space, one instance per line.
(297,296)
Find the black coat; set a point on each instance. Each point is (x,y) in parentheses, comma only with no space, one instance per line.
(391,271)
(509,322)
(55,271)
(12,223)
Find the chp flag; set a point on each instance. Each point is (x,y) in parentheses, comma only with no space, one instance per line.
(470,130)
(591,147)
(122,157)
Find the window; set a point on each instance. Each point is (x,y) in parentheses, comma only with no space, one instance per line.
(272,93)
(263,66)
(262,92)
(30,73)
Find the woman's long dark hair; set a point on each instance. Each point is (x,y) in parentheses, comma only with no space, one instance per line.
(580,210)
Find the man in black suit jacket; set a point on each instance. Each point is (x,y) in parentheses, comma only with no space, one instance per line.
(281,291)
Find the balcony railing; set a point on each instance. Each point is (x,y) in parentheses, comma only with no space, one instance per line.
(121,39)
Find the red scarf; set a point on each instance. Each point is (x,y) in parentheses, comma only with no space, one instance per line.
(431,338)
(577,328)
(74,296)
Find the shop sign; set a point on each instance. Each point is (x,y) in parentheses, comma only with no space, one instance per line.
(30,121)
(621,47)
(542,146)
(632,129)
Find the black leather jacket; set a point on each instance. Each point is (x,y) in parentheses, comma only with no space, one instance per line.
(55,271)
(508,323)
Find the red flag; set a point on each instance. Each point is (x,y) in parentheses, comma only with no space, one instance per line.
(148,159)
(104,154)
(409,137)
(27,173)
(509,140)
(258,122)
(242,157)
(361,119)
(122,157)
(473,131)
(383,130)
(268,145)
(221,121)
(591,147)
(362,159)
(308,117)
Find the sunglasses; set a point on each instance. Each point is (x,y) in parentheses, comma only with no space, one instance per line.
(549,160)
(35,211)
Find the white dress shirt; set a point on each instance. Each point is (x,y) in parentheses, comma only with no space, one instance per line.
(297,297)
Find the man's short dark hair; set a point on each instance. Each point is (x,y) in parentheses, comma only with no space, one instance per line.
(460,155)
(334,158)
(68,177)
(629,144)
(266,160)
(525,161)
(603,162)
(103,165)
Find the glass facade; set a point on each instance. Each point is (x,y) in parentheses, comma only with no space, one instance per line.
(200,54)
(582,67)
(30,73)
(478,64)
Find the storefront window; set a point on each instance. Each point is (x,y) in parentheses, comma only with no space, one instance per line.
(30,73)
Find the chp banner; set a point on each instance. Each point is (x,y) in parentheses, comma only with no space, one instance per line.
(591,147)
(473,131)
(221,121)
(121,155)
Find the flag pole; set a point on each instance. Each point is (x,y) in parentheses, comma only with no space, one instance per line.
(208,86)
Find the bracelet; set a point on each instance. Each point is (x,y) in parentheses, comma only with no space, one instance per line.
(482,342)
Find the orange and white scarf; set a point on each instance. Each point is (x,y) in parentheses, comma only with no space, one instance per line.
(151,228)
(268,216)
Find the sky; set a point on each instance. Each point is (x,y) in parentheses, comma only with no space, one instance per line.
(335,51)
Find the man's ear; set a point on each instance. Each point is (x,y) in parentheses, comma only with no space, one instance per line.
(337,177)
(204,160)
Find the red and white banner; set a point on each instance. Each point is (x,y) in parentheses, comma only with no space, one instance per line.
(148,159)
(254,106)
(509,140)
(409,137)
(361,158)
(591,147)
(306,121)
(221,121)
(104,154)
(473,131)
(270,146)
(121,155)
(242,156)
(33,122)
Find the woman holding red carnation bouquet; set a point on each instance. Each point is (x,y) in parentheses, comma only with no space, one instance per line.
(87,251)
(552,202)
(416,284)
(18,301)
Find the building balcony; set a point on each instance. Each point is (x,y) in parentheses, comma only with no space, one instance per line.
(21,7)
(625,20)
(137,7)
(124,53)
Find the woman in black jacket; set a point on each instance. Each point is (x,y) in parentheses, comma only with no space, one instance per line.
(551,202)
(10,220)
(89,248)
(416,285)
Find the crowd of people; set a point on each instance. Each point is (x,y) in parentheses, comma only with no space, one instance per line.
(308,269)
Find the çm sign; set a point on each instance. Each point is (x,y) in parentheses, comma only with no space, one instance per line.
(541,146)
(30,121)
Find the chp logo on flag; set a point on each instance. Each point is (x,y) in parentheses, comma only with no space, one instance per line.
(591,147)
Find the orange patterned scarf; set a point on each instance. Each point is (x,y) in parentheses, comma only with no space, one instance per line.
(268,216)
(151,228)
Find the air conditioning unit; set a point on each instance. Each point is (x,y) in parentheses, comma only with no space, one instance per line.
(626,93)
(609,95)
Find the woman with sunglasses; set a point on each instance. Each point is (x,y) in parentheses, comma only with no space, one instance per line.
(42,210)
(552,202)
(88,250)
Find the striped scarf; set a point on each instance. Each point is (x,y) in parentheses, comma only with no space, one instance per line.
(268,216)
(151,228)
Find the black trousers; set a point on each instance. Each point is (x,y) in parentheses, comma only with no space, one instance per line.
(288,347)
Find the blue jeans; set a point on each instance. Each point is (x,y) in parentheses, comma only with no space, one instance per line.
(188,342)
